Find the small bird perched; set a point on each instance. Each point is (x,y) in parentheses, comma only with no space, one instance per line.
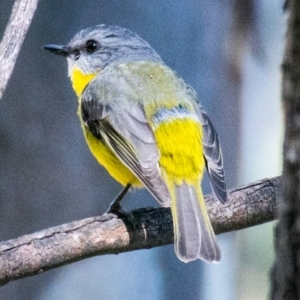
(145,125)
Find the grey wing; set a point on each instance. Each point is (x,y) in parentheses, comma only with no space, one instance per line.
(213,157)
(130,137)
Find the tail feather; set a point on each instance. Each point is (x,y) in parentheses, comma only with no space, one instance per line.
(194,237)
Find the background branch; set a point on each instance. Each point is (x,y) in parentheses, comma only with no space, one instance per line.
(14,35)
(285,273)
(145,228)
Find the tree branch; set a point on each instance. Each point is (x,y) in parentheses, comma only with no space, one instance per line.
(14,35)
(145,228)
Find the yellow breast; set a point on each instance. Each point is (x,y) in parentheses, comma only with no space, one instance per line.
(101,152)
(80,80)
(106,158)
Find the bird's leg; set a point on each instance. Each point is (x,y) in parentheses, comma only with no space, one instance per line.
(115,207)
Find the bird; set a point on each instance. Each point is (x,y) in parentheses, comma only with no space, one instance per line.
(146,126)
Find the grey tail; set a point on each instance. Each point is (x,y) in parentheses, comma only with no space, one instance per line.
(194,237)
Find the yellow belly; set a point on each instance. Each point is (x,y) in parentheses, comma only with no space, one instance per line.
(109,161)
(101,152)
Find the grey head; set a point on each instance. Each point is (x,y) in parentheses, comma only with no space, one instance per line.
(94,48)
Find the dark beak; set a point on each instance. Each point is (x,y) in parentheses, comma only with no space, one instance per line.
(57,49)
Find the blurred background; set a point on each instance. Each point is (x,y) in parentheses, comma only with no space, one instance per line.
(230,52)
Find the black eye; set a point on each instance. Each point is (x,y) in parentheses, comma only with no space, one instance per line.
(91,46)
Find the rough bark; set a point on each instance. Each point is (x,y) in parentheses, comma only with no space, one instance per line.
(14,35)
(145,228)
(286,269)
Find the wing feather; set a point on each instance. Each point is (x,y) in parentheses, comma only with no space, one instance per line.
(213,157)
(129,136)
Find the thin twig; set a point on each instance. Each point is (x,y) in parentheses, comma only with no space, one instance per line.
(14,35)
